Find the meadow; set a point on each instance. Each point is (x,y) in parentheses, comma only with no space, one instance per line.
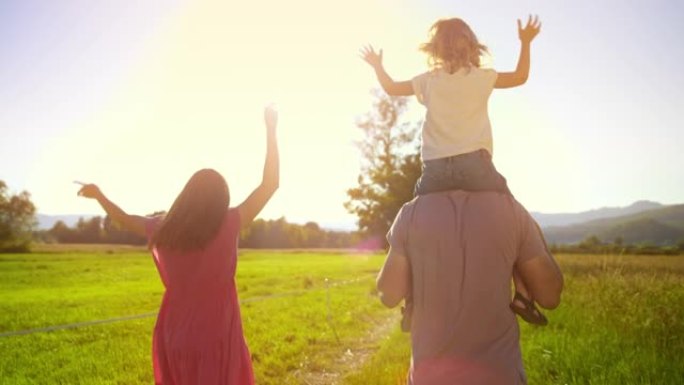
(295,328)
(621,320)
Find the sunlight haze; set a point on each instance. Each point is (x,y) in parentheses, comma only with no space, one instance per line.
(136,96)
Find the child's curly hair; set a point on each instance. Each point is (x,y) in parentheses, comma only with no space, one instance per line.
(453,46)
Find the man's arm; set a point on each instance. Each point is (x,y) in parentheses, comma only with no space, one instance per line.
(256,201)
(522,71)
(544,280)
(403,88)
(393,280)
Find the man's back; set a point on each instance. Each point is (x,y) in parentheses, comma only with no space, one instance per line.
(461,248)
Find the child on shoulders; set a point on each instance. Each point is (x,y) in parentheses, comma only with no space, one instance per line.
(457,145)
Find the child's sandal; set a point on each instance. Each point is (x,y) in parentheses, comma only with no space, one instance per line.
(529,311)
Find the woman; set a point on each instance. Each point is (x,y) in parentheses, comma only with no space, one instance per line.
(198,336)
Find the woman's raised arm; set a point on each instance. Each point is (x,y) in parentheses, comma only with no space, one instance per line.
(132,223)
(256,201)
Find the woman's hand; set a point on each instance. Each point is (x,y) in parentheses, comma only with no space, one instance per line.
(530,31)
(368,54)
(89,190)
(271,117)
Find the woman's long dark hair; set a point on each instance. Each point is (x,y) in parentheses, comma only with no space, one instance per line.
(196,215)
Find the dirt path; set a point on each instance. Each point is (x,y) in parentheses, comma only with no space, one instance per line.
(353,358)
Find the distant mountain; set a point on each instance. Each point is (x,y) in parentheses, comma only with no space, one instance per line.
(547,220)
(45,222)
(661,226)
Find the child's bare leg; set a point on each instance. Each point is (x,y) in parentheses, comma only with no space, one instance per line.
(519,285)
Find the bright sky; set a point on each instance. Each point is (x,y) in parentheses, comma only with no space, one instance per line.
(137,95)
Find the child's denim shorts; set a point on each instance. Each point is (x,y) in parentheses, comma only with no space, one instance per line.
(473,171)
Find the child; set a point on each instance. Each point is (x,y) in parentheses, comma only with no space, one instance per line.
(456,144)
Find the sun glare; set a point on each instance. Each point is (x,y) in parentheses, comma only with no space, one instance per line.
(195,98)
(195,94)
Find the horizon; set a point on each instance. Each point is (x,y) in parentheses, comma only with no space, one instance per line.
(352,226)
(135,97)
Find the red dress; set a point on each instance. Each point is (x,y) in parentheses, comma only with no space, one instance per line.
(198,336)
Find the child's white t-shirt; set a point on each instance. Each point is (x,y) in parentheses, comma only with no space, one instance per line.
(457,121)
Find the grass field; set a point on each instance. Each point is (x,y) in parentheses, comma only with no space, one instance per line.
(621,320)
(288,335)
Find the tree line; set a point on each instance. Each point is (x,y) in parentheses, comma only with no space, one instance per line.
(18,230)
(94,230)
(594,245)
(272,234)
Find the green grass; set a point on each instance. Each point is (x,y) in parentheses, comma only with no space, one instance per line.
(389,365)
(287,335)
(621,321)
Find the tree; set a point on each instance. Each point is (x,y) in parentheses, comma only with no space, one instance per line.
(390,166)
(17,220)
(590,243)
(62,233)
(113,232)
(313,235)
(90,231)
(281,234)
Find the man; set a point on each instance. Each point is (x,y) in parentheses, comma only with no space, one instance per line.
(453,253)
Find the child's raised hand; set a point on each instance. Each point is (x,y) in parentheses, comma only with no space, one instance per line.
(531,29)
(368,54)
